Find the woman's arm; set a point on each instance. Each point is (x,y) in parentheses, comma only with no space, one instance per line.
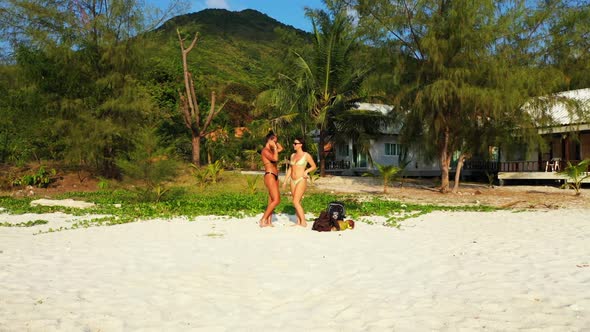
(271,153)
(312,164)
(287,175)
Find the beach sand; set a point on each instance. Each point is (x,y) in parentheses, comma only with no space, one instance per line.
(444,271)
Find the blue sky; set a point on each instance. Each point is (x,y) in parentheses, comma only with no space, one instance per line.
(290,12)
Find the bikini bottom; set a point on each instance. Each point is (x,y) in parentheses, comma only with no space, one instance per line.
(296,182)
(276,175)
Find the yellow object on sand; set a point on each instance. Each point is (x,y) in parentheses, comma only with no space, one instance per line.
(343,224)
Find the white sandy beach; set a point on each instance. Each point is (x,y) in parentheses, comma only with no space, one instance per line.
(446,271)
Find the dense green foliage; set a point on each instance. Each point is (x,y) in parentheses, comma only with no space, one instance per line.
(326,83)
(81,83)
(78,94)
(243,48)
(41,178)
(149,163)
(77,82)
(469,67)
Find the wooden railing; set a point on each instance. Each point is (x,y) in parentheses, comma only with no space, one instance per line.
(340,164)
(535,166)
(521,166)
(491,166)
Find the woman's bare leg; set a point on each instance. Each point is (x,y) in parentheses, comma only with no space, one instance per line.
(268,220)
(274,199)
(297,190)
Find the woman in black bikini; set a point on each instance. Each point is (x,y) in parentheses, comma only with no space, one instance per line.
(270,158)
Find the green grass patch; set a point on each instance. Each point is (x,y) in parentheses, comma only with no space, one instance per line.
(122,206)
(24,224)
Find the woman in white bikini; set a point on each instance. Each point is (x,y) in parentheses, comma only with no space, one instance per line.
(270,158)
(297,174)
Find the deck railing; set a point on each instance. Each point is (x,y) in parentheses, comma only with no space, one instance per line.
(483,165)
(338,164)
(536,166)
(490,166)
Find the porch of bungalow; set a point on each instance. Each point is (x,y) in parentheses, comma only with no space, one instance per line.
(547,170)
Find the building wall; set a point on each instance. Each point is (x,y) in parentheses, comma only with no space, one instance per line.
(556,148)
(417,167)
(417,162)
(519,153)
(585,145)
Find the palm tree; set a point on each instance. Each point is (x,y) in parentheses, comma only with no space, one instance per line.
(324,84)
(361,127)
(387,172)
(577,174)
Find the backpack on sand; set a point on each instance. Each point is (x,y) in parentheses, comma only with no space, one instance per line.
(336,210)
(328,219)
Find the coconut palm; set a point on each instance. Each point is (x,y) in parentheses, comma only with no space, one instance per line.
(577,174)
(387,173)
(361,127)
(324,84)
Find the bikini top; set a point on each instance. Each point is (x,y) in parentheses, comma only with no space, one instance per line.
(300,162)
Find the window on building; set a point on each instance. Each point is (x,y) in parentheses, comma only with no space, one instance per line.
(392,149)
(342,150)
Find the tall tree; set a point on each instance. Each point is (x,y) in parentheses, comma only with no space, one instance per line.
(83,58)
(189,105)
(325,83)
(472,65)
(569,42)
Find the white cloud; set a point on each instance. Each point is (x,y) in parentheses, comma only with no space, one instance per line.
(217,4)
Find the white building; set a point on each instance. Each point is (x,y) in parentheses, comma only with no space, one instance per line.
(385,150)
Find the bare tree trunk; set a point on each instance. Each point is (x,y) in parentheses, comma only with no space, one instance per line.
(196,155)
(322,154)
(189,106)
(458,172)
(445,162)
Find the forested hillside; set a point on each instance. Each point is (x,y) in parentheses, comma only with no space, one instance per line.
(90,88)
(244,47)
(95,85)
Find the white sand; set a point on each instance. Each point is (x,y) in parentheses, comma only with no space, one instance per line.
(68,202)
(444,271)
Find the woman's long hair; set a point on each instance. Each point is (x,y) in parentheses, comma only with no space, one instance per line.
(269,136)
(302,141)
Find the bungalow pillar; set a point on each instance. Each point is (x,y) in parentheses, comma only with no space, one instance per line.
(566,147)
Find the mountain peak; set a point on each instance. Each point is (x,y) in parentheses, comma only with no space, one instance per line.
(248,23)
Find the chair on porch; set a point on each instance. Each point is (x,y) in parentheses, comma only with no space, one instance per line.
(552,164)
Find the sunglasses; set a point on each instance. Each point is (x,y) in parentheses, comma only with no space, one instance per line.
(297,143)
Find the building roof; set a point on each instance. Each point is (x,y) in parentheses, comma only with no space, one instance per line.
(384,109)
(564,108)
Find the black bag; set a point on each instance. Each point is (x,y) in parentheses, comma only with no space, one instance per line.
(336,211)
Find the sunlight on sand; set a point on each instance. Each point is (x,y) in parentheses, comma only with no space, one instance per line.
(497,271)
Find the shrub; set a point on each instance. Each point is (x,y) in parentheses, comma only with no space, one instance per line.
(577,174)
(149,163)
(41,179)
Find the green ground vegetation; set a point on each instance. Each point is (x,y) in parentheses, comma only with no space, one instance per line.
(229,196)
